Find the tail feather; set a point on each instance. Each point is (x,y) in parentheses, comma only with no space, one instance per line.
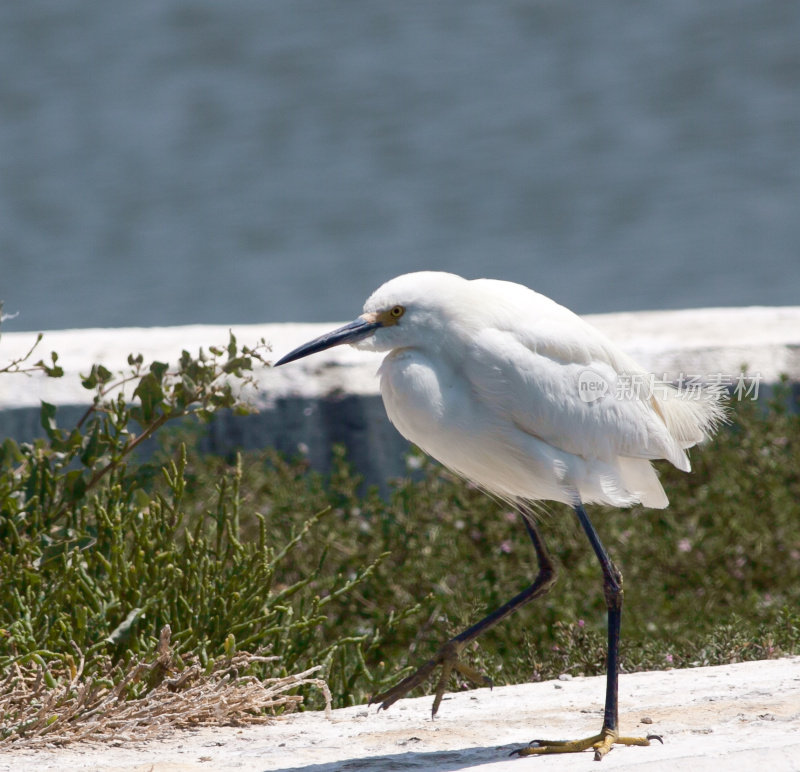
(690,416)
(640,478)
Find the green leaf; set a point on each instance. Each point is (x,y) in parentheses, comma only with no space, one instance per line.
(230,645)
(91,446)
(158,369)
(74,485)
(103,374)
(90,381)
(47,416)
(53,370)
(237,364)
(9,452)
(151,396)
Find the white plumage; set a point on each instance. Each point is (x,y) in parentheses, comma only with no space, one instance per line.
(484,376)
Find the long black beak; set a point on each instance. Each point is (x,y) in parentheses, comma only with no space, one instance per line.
(350,333)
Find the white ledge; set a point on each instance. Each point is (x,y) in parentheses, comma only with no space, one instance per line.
(734,718)
(667,343)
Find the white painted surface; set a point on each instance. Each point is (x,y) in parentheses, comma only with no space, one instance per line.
(733,718)
(697,342)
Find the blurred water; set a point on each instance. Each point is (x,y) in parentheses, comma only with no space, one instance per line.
(177,161)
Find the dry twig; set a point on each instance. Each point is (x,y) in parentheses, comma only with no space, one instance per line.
(171,694)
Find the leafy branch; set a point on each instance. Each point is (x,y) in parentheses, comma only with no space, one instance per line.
(52,369)
(127,409)
(199,386)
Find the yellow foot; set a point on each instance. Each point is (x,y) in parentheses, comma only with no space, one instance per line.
(601,743)
(447,657)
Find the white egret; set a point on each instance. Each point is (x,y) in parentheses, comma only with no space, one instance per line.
(516,393)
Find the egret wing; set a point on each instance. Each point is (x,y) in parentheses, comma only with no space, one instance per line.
(535,377)
(672,421)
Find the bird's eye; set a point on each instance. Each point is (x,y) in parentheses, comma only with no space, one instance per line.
(397,312)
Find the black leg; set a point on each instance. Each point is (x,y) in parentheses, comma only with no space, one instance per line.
(541,584)
(448,654)
(609,733)
(612,589)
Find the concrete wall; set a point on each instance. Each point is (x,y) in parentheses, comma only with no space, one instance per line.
(333,397)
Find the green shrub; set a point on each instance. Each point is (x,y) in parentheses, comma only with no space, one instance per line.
(100,552)
(712,579)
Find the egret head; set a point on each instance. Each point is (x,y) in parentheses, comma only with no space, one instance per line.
(399,313)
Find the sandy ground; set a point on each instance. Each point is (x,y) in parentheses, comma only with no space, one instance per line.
(735,717)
